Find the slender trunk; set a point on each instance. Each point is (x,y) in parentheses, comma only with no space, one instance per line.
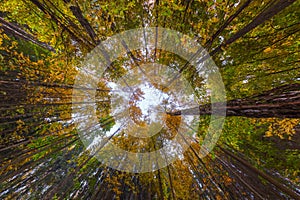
(261,18)
(60,22)
(16,31)
(32,164)
(273,181)
(226,23)
(83,21)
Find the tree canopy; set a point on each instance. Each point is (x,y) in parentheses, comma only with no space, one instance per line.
(45,115)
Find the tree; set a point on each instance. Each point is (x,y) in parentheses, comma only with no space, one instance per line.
(254,43)
(281,102)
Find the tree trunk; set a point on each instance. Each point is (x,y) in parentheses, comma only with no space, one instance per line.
(275,8)
(16,31)
(282,102)
(83,21)
(267,177)
(68,27)
(226,23)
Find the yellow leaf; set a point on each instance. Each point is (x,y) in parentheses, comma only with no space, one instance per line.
(267,50)
(214,19)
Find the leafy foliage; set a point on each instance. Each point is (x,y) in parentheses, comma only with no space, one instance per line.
(41,153)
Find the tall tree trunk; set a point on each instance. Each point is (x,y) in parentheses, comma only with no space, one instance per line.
(68,27)
(83,21)
(13,29)
(226,23)
(267,177)
(283,102)
(275,8)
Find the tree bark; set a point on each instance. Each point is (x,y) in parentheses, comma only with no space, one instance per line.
(77,37)
(16,31)
(267,177)
(84,23)
(275,8)
(226,23)
(282,102)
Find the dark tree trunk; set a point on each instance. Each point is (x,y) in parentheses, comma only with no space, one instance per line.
(68,27)
(226,23)
(282,102)
(13,29)
(262,174)
(84,23)
(275,7)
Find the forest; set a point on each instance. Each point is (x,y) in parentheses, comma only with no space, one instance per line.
(150,99)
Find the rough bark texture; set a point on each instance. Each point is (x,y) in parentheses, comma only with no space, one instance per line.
(262,174)
(283,102)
